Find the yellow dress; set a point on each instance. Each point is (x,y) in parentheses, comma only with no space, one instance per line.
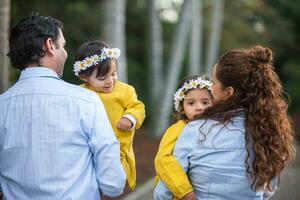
(167,168)
(120,101)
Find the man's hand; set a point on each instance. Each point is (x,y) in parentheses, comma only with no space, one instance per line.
(190,196)
(124,124)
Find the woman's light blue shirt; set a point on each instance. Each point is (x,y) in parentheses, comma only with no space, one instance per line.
(213,155)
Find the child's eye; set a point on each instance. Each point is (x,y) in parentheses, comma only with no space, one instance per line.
(206,103)
(190,103)
(101,78)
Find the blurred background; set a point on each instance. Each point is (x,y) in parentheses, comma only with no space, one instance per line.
(164,40)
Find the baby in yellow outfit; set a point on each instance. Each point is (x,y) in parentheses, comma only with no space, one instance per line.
(96,65)
(191,99)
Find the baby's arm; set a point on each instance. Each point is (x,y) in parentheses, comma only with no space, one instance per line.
(134,109)
(167,167)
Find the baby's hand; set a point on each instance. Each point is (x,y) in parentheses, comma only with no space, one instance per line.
(124,124)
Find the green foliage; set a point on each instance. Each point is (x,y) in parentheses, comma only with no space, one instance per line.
(273,23)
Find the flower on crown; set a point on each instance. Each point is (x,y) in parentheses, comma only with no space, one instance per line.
(106,53)
(198,83)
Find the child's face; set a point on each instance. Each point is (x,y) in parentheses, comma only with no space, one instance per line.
(104,83)
(195,102)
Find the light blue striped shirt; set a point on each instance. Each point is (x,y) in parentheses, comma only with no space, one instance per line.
(56,141)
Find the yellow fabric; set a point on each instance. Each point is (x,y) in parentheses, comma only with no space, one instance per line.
(167,167)
(120,101)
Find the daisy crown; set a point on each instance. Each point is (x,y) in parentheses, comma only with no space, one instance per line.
(93,60)
(198,83)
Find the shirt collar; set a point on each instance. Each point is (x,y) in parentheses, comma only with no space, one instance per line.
(38,72)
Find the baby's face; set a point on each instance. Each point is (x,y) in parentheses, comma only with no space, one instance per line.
(104,83)
(195,102)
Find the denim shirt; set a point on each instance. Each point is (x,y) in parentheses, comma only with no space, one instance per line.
(213,156)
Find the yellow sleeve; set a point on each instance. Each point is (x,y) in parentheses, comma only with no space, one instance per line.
(134,107)
(167,167)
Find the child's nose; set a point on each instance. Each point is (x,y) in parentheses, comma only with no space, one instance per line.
(109,79)
(200,107)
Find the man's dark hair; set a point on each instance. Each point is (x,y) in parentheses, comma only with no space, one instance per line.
(28,36)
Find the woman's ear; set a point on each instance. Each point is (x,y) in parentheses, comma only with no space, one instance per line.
(229,91)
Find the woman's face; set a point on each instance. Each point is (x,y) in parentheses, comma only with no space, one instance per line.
(218,90)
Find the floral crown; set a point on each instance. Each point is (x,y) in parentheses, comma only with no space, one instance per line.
(93,60)
(198,83)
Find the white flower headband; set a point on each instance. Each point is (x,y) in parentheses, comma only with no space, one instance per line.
(198,83)
(106,53)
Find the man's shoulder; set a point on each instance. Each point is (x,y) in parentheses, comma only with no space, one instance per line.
(77,91)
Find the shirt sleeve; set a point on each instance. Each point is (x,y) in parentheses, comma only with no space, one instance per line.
(167,167)
(268,194)
(134,107)
(106,153)
(132,119)
(184,147)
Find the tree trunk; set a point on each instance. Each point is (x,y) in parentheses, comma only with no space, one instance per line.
(177,53)
(113,31)
(154,57)
(4,60)
(215,35)
(195,54)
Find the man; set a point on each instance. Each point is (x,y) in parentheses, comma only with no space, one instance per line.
(55,138)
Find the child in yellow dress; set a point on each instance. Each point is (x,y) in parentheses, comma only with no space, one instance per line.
(191,99)
(96,65)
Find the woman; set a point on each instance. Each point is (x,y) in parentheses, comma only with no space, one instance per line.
(240,145)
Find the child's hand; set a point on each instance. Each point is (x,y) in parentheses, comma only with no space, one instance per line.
(124,124)
(190,196)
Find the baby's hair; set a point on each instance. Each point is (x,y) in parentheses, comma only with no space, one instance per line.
(93,48)
(178,115)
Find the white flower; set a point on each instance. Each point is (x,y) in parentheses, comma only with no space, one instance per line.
(93,60)
(192,84)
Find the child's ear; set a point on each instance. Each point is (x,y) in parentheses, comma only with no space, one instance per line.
(83,77)
(229,91)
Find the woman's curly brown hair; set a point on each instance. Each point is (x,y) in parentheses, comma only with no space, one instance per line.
(259,93)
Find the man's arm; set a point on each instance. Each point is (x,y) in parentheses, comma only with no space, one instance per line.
(106,153)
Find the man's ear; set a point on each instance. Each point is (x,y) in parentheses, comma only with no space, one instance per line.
(48,46)
(83,77)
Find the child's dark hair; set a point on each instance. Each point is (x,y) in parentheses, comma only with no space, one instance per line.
(89,49)
(179,115)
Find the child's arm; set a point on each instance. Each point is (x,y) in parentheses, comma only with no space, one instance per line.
(167,167)
(134,107)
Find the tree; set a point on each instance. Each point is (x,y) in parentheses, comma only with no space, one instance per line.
(177,53)
(195,54)
(113,31)
(154,57)
(215,34)
(4,61)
